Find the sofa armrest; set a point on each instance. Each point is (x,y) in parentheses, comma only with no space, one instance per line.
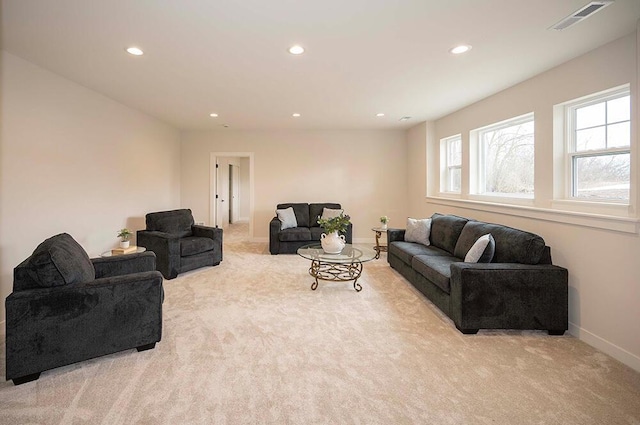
(167,249)
(46,295)
(80,321)
(119,265)
(509,296)
(274,231)
(214,233)
(395,235)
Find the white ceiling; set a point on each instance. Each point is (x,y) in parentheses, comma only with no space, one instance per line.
(363,56)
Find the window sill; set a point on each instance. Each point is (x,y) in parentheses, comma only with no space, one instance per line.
(626,224)
(589,207)
(522,201)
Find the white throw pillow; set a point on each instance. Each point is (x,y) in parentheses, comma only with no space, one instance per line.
(418,230)
(482,250)
(287,218)
(331,213)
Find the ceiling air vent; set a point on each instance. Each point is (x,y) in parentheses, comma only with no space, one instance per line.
(582,13)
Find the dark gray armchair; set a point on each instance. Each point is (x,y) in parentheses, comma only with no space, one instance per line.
(66,308)
(180,245)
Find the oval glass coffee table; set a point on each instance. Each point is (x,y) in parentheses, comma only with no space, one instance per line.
(342,267)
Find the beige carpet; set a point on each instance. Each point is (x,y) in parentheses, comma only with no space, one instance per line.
(248,342)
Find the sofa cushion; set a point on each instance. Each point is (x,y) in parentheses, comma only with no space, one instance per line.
(407,250)
(58,261)
(315,212)
(482,250)
(175,222)
(287,218)
(445,231)
(316,232)
(512,245)
(296,234)
(436,269)
(418,231)
(300,209)
(192,245)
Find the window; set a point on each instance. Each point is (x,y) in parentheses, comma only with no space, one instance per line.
(598,147)
(505,158)
(451,151)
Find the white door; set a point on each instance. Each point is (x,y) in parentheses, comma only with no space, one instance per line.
(234,192)
(222,193)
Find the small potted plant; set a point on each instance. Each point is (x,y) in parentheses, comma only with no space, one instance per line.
(335,224)
(331,241)
(124,235)
(384,220)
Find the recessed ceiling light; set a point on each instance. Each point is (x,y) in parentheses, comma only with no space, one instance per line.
(463,48)
(135,51)
(404,119)
(296,50)
(380,115)
(295,115)
(213,115)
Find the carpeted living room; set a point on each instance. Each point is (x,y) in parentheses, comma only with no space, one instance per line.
(248,342)
(395,113)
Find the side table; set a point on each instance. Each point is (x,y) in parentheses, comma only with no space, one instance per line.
(138,250)
(379,248)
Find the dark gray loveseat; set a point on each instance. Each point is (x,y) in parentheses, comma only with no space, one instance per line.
(518,289)
(67,308)
(178,243)
(288,241)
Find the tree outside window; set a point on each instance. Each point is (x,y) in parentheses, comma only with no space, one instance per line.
(506,154)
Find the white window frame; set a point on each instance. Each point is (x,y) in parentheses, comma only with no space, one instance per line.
(571,155)
(446,167)
(477,174)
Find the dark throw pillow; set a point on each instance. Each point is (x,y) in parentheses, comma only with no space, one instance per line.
(60,260)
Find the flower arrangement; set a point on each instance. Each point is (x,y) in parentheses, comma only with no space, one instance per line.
(335,224)
(124,234)
(384,219)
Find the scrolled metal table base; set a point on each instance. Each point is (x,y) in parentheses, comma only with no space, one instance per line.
(336,273)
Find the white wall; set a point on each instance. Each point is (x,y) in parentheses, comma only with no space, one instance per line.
(75,161)
(365,171)
(604,265)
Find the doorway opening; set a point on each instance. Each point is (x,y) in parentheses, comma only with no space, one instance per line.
(231,191)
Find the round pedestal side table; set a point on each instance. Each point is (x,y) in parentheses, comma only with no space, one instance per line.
(379,248)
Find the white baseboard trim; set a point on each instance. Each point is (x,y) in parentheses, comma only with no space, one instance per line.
(242,220)
(618,353)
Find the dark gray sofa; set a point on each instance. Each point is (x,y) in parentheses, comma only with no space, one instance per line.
(67,308)
(308,231)
(518,289)
(178,243)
